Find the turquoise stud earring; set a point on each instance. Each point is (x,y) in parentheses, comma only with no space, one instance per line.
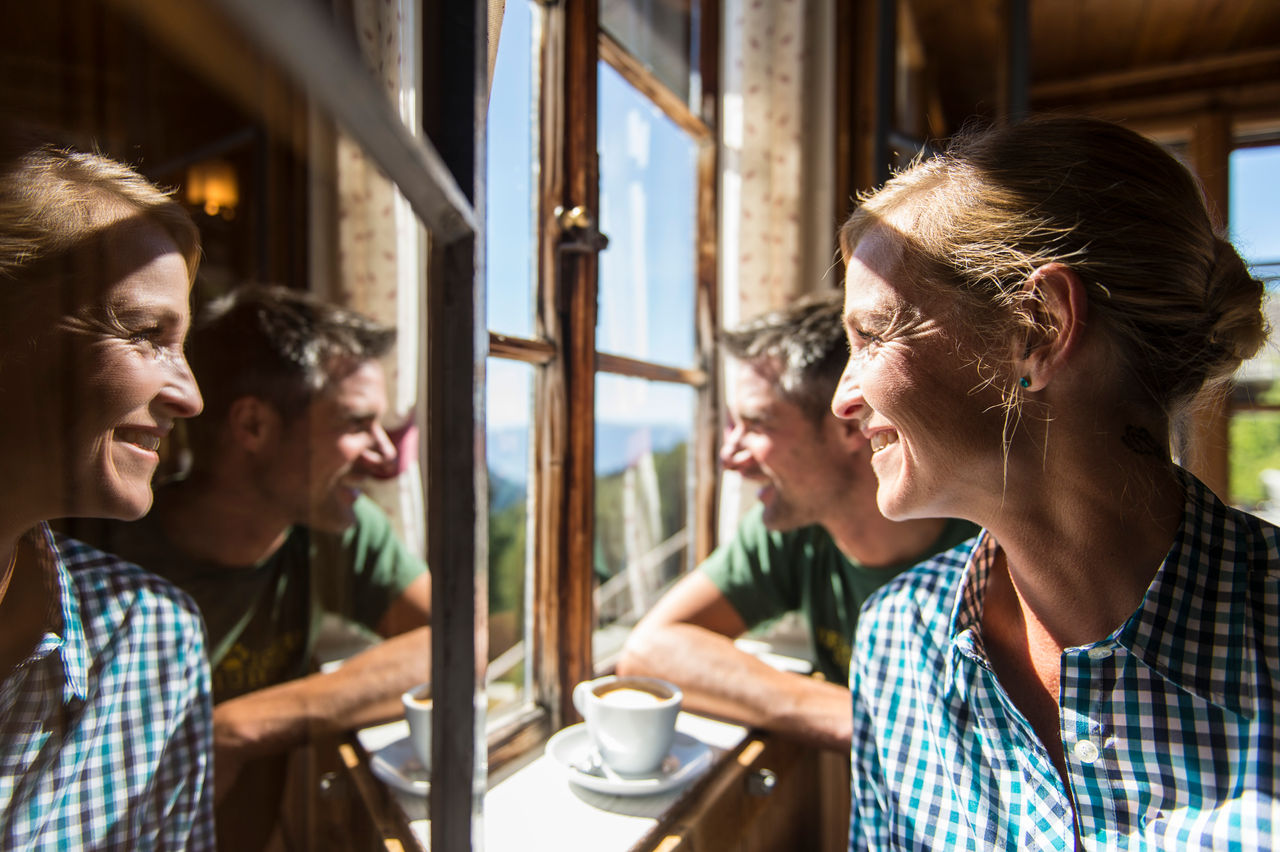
(1025,382)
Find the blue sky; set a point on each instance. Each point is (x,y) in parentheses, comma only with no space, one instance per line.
(1255,203)
(646,276)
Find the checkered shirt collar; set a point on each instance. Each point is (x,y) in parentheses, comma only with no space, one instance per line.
(1193,627)
(64,631)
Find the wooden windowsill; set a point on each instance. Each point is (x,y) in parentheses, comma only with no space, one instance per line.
(533,799)
(537,801)
(531,804)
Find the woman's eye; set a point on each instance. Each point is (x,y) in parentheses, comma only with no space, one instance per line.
(866,336)
(149,335)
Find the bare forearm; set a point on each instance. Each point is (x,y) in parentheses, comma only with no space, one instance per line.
(364,691)
(720,679)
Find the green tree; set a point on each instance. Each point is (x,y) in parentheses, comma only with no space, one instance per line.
(507,558)
(1255,447)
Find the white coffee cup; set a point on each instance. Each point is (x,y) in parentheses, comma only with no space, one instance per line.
(417,712)
(631,720)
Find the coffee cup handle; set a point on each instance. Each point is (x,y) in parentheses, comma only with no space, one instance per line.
(579,697)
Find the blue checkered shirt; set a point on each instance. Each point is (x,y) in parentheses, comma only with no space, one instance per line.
(105,729)
(1168,725)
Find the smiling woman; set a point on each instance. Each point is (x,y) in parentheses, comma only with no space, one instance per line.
(95,311)
(1029,314)
(97,749)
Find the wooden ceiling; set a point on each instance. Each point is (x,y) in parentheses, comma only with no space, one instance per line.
(1135,60)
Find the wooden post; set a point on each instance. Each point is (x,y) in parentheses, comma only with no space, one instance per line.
(565,613)
(455,61)
(706,445)
(1208,445)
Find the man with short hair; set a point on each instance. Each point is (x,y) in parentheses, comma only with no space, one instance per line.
(269,531)
(816,543)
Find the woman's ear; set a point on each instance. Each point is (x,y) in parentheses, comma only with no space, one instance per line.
(1060,309)
(252,423)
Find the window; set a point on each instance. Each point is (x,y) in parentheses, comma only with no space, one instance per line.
(1255,405)
(598,248)
(644,426)
(600,286)
(274,129)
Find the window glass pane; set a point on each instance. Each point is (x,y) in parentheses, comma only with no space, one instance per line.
(648,192)
(1255,217)
(1255,459)
(509,189)
(507,409)
(661,35)
(643,434)
(281,200)
(1255,231)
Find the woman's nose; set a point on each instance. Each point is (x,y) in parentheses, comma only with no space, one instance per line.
(180,392)
(848,404)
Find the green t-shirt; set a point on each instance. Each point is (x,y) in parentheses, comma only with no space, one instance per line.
(263,620)
(767,574)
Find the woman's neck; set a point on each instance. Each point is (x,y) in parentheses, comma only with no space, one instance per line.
(1086,537)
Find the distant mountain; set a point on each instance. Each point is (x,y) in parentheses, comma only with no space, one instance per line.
(507,452)
(503,492)
(617,446)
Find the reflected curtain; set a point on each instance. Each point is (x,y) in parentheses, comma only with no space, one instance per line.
(380,251)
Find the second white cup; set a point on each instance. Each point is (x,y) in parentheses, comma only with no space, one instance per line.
(417,712)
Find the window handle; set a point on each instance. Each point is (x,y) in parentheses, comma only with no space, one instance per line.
(581,233)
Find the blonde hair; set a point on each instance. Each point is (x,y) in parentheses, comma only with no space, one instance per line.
(55,201)
(1128,218)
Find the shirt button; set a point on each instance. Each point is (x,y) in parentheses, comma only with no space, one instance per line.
(1100,653)
(1085,751)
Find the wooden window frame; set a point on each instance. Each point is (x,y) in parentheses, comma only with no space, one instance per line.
(564,352)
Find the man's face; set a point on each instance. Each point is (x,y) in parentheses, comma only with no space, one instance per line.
(324,456)
(806,469)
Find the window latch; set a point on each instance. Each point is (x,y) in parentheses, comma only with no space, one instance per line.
(580,232)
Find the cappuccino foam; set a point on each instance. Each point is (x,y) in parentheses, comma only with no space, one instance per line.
(629,697)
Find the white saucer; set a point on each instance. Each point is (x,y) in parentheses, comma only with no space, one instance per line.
(396,764)
(571,748)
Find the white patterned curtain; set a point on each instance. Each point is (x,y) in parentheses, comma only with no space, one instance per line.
(777,155)
(776,150)
(380,251)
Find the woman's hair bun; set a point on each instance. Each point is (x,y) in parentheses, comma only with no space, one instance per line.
(1236,327)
